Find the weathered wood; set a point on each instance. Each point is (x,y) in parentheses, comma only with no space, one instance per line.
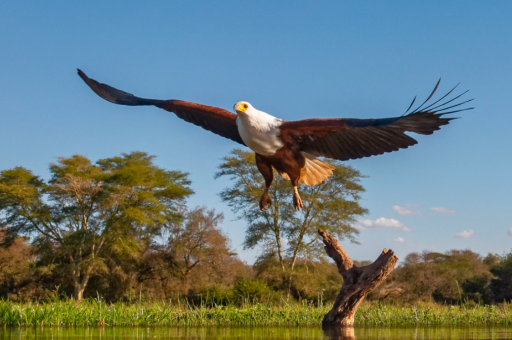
(358,282)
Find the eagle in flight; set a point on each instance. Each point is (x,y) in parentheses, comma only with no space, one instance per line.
(292,147)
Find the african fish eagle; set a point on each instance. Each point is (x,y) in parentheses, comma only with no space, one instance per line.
(292,147)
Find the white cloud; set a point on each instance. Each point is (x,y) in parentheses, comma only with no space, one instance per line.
(510,232)
(407,209)
(399,240)
(382,222)
(465,234)
(442,210)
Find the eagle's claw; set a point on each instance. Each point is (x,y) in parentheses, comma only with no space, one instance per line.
(265,202)
(297,202)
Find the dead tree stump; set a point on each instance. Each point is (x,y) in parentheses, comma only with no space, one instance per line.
(357,281)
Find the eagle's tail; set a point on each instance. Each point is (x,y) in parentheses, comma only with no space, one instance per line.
(313,172)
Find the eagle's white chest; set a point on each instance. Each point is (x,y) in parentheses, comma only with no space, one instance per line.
(260,132)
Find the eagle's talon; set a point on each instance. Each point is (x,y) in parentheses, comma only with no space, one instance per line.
(265,202)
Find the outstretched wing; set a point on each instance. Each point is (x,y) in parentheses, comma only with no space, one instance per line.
(346,138)
(214,119)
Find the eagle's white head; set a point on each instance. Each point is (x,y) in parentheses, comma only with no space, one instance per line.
(247,113)
(244,108)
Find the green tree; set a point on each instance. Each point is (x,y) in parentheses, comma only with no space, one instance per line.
(451,277)
(86,208)
(281,231)
(501,284)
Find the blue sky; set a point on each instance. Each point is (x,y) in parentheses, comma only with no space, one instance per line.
(309,59)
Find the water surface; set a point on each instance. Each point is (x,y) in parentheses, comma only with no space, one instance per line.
(256,333)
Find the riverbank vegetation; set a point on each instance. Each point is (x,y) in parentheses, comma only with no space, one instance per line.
(96,313)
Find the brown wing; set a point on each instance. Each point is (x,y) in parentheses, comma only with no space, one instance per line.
(345,138)
(214,119)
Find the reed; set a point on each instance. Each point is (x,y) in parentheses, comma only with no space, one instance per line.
(97,313)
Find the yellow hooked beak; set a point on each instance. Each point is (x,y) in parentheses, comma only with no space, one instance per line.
(241,107)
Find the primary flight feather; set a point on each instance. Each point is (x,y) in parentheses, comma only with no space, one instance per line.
(292,147)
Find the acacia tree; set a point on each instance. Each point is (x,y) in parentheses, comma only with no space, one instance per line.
(281,230)
(86,208)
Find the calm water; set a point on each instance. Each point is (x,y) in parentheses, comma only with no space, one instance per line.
(256,333)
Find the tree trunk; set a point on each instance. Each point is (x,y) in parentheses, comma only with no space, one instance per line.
(79,292)
(80,286)
(358,282)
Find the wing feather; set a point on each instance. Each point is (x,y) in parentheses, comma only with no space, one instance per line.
(214,119)
(346,138)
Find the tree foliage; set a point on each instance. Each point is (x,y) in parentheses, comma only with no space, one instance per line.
(281,231)
(84,208)
(195,254)
(501,284)
(451,277)
(119,228)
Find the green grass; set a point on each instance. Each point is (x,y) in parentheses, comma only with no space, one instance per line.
(94,313)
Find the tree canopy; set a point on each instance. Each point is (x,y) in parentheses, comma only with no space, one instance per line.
(84,208)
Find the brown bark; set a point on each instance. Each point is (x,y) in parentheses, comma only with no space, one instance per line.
(358,282)
(79,293)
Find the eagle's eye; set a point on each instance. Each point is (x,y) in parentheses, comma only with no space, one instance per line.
(246,106)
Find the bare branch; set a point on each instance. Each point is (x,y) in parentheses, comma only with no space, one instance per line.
(336,252)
